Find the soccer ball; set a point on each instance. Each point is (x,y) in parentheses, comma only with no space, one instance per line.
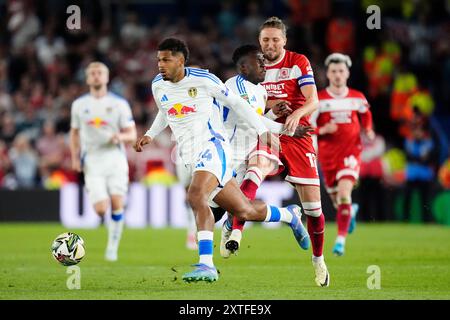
(68,248)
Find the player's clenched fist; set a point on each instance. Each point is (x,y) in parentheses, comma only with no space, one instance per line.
(141,142)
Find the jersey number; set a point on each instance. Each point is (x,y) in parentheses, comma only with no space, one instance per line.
(207,155)
(312,160)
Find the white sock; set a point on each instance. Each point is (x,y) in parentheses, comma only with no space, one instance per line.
(275,214)
(205,247)
(340,239)
(115,229)
(317,259)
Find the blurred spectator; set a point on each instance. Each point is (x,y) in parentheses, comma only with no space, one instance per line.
(419,170)
(4,161)
(227,19)
(24,162)
(23,24)
(6,102)
(253,20)
(28,123)
(132,32)
(7,129)
(49,149)
(49,46)
(341,36)
(371,191)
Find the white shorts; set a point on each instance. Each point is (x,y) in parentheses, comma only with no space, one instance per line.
(105,174)
(183,173)
(215,158)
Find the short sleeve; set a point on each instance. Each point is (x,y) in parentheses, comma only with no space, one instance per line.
(306,72)
(364,104)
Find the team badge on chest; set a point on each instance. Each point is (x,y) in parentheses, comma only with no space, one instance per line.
(192,92)
(284,73)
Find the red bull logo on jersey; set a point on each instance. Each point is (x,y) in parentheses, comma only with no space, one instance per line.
(97,122)
(179,111)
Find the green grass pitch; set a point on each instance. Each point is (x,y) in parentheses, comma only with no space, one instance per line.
(414,261)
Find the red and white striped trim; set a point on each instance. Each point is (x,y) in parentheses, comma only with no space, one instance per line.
(265,154)
(332,189)
(347,172)
(254,174)
(313,209)
(303,181)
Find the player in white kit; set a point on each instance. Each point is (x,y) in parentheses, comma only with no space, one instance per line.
(101,122)
(188,101)
(251,162)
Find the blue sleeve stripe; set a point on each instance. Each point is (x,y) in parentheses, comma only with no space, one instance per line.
(216,103)
(306,83)
(157,78)
(205,75)
(240,85)
(226,111)
(234,133)
(305,76)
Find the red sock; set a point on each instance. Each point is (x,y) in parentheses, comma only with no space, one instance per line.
(343,218)
(248,188)
(316,226)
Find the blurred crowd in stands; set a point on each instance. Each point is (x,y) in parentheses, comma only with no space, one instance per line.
(403,68)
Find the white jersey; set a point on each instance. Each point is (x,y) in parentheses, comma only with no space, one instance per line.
(191,107)
(105,164)
(243,138)
(98,119)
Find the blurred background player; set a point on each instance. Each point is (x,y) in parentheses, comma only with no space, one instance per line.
(339,141)
(251,162)
(101,123)
(289,76)
(187,101)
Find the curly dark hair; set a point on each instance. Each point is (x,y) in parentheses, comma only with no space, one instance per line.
(174,45)
(243,51)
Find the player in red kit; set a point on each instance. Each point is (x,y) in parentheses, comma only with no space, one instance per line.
(289,77)
(339,144)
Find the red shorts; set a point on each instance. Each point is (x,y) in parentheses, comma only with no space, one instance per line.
(344,167)
(299,156)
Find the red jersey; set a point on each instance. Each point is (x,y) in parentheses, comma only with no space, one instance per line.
(285,78)
(343,111)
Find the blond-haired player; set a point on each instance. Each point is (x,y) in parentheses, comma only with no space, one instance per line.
(101,123)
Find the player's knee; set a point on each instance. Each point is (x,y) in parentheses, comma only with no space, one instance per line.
(100,209)
(244,212)
(196,198)
(343,198)
(313,209)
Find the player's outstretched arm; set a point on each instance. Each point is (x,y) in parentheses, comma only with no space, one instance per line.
(158,125)
(240,106)
(127,135)
(311,105)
